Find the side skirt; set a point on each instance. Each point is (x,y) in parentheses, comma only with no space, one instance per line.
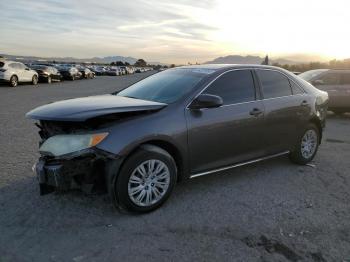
(238,165)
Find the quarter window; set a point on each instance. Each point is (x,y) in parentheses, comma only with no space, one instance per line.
(274,84)
(295,88)
(234,87)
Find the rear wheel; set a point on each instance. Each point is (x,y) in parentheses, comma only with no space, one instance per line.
(14,81)
(307,146)
(34,80)
(145,180)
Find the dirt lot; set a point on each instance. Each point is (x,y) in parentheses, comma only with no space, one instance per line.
(271,211)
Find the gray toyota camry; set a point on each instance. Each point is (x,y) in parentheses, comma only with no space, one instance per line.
(174,125)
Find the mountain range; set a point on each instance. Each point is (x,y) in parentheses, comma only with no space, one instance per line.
(237,59)
(230,59)
(98,60)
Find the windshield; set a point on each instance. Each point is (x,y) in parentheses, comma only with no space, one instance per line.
(308,75)
(167,86)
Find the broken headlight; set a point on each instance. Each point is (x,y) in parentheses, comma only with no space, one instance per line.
(64,144)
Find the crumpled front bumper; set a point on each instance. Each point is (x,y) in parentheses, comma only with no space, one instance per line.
(80,170)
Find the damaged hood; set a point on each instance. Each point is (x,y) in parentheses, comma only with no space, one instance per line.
(81,109)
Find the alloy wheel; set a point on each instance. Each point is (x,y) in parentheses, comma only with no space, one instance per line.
(309,143)
(149,182)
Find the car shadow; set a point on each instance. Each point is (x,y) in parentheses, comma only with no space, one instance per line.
(331,115)
(20,200)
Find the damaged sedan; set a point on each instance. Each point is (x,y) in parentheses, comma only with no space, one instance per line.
(177,124)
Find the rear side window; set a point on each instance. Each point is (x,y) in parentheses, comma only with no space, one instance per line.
(234,87)
(2,64)
(274,84)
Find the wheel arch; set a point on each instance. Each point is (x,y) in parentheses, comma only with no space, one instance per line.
(316,121)
(167,146)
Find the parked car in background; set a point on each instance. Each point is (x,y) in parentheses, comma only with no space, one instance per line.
(113,71)
(86,72)
(336,82)
(13,73)
(99,70)
(69,72)
(130,70)
(47,74)
(222,116)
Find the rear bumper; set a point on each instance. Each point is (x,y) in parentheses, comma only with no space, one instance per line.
(84,170)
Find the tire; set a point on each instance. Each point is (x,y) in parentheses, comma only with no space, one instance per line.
(34,80)
(49,79)
(151,191)
(13,81)
(307,146)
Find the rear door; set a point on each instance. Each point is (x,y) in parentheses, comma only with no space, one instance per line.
(24,72)
(218,137)
(287,108)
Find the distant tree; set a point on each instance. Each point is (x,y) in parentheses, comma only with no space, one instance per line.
(165,66)
(119,63)
(113,63)
(172,65)
(302,67)
(127,64)
(140,63)
(266,60)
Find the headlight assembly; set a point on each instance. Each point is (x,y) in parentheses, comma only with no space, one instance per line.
(63,144)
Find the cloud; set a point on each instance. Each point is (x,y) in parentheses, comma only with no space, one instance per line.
(73,28)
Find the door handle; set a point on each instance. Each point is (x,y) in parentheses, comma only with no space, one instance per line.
(304,103)
(256,112)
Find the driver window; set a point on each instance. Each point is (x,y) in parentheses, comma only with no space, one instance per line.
(233,87)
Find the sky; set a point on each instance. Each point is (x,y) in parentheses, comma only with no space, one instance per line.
(175,31)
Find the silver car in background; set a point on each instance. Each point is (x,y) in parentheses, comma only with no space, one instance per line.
(13,72)
(334,81)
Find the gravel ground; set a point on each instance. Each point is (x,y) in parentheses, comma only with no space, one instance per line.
(270,211)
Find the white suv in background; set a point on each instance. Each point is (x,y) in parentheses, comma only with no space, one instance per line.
(16,72)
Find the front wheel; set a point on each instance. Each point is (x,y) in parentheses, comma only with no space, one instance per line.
(307,146)
(34,80)
(146,180)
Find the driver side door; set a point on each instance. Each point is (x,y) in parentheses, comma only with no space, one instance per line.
(229,134)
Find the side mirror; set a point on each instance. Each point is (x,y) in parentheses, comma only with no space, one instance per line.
(318,82)
(206,101)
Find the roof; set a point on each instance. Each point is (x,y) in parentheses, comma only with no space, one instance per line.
(225,66)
